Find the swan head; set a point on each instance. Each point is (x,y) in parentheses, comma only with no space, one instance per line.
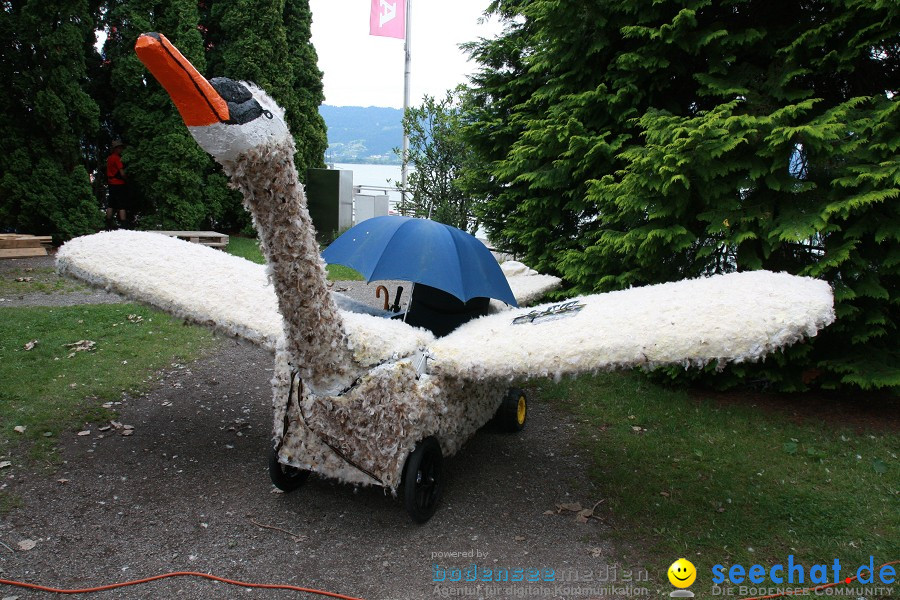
(226,117)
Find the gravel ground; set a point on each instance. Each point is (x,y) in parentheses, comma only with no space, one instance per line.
(189,491)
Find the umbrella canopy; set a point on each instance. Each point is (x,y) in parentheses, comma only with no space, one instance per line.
(422,251)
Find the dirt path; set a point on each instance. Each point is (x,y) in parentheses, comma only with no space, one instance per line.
(189,490)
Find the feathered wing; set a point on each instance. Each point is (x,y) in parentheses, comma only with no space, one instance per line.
(187,280)
(737,317)
(728,318)
(212,288)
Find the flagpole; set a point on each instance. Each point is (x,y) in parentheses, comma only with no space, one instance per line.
(406,72)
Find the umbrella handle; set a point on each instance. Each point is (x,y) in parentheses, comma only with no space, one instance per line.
(396,306)
(387,296)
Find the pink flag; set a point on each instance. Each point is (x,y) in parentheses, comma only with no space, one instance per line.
(388,18)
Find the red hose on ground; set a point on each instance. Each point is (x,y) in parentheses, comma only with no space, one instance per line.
(113,586)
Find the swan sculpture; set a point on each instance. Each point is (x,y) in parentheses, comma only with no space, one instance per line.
(371,400)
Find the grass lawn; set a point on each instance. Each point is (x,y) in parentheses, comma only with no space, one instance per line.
(53,388)
(737,478)
(249,248)
(36,281)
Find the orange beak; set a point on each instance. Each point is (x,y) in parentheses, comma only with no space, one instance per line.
(196,100)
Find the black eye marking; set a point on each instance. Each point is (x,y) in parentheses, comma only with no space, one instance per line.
(231,90)
(242,106)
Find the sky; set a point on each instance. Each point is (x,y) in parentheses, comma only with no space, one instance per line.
(364,70)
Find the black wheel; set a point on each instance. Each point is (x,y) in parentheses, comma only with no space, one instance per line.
(285,477)
(423,480)
(513,412)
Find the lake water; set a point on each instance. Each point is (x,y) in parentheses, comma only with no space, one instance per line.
(375,176)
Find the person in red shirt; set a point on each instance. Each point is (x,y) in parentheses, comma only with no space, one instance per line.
(119,196)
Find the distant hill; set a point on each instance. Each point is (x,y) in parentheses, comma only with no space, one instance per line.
(363,135)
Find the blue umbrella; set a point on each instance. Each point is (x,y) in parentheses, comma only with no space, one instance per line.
(421,251)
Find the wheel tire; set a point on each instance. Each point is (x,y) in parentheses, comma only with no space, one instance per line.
(423,481)
(513,412)
(285,477)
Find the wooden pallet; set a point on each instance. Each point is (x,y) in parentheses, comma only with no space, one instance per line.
(207,238)
(22,252)
(19,245)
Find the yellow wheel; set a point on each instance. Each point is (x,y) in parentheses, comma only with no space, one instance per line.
(513,412)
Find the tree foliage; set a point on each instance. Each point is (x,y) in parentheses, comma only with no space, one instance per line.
(307,125)
(267,42)
(437,155)
(168,170)
(47,118)
(628,143)
(67,102)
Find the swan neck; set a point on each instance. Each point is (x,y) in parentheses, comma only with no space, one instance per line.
(314,333)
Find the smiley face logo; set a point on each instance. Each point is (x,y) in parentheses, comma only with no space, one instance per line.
(682,573)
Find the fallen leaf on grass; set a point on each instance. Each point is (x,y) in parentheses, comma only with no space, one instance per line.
(26,545)
(19,428)
(596,552)
(30,345)
(135,318)
(24,279)
(84,433)
(5,464)
(665,494)
(81,346)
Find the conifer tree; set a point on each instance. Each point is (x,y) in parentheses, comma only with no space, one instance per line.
(267,42)
(176,184)
(307,125)
(47,116)
(627,143)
